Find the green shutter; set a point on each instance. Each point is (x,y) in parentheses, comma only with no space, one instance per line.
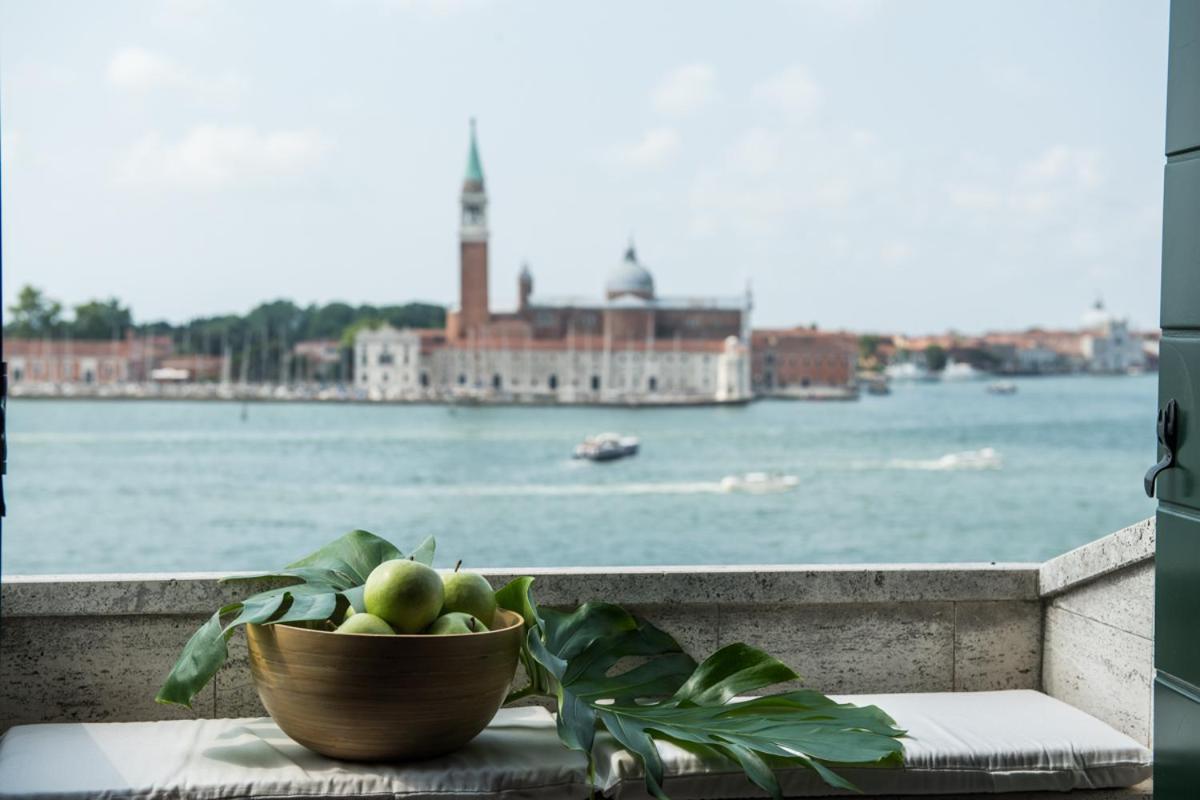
(1177,578)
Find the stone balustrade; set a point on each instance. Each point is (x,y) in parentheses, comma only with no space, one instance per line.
(96,647)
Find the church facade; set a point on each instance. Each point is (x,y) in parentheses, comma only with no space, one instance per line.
(629,346)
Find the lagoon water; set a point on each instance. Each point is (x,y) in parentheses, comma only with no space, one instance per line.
(97,486)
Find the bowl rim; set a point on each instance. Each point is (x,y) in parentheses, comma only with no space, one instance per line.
(520,622)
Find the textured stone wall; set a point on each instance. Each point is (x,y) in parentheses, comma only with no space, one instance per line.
(1099,628)
(97,648)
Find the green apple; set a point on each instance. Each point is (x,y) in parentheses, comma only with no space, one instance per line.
(365,623)
(405,593)
(469,593)
(454,623)
(350,612)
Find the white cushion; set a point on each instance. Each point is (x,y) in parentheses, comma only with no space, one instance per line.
(964,742)
(517,757)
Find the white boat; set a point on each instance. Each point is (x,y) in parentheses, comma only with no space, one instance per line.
(1002,387)
(961,371)
(607,447)
(908,371)
(759,483)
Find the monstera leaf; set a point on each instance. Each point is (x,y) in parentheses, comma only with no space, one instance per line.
(669,697)
(606,669)
(321,585)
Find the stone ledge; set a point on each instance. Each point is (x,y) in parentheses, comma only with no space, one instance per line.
(1126,547)
(198,593)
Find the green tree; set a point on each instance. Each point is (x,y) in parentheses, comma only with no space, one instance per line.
(935,358)
(34,315)
(868,345)
(97,319)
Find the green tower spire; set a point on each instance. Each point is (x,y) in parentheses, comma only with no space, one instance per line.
(474,165)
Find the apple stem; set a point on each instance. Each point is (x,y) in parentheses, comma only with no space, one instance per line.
(459,564)
(471,624)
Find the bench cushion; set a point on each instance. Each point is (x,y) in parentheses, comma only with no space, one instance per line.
(958,744)
(962,743)
(517,757)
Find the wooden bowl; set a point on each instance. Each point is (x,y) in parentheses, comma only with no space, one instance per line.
(382,698)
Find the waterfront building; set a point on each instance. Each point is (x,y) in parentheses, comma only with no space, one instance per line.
(1107,344)
(195,367)
(804,362)
(630,346)
(318,359)
(77,361)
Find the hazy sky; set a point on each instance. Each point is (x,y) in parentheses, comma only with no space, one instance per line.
(872,165)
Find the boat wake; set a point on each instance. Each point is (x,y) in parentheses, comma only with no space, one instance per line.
(985,458)
(541,489)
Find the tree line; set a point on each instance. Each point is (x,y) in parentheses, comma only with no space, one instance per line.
(258,342)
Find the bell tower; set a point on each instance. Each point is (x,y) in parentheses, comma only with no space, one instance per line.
(473,247)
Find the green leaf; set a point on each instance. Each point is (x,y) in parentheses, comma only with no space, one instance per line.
(514,596)
(202,656)
(355,555)
(669,697)
(313,575)
(424,552)
(580,648)
(320,586)
(734,669)
(307,607)
(637,740)
(756,769)
(792,733)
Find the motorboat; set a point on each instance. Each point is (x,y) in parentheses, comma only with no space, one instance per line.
(961,371)
(1002,387)
(607,447)
(875,384)
(759,483)
(905,371)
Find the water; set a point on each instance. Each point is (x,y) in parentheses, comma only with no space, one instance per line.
(141,486)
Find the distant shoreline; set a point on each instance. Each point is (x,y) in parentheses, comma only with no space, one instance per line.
(318,396)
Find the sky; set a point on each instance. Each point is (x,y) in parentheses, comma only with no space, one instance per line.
(911,166)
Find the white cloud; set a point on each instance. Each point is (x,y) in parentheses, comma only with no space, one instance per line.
(656,147)
(974,197)
(140,70)
(754,210)
(793,91)
(833,192)
(895,253)
(685,90)
(757,152)
(1079,165)
(213,156)
(134,69)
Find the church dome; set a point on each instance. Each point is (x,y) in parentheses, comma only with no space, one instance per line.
(1096,317)
(630,277)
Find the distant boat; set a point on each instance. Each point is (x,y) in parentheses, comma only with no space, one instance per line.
(961,371)
(759,483)
(607,447)
(875,384)
(908,371)
(1002,387)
